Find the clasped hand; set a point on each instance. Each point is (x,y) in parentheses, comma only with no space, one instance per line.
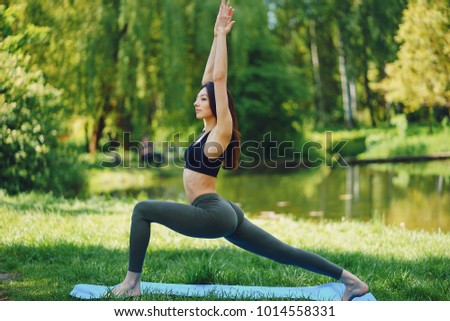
(224,22)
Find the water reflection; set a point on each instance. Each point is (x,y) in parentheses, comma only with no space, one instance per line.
(414,196)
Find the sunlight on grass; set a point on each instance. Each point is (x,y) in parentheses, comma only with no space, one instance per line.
(413,145)
(55,243)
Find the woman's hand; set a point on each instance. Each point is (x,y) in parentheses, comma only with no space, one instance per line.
(223,21)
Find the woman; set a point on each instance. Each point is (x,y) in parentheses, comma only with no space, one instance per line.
(208,215)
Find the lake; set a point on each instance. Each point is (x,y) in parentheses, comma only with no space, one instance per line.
(411,196)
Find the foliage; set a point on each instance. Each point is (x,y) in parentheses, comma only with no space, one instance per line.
(404,142)
(401,124)
(401,139)
(30,114)
(267,91)
(421,74)
(312,32)
(134,66)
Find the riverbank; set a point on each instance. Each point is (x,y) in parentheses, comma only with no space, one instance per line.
(50,244)
(384,145)
(398,159)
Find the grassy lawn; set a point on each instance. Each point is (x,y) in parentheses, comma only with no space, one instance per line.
(48,244)
(384,142)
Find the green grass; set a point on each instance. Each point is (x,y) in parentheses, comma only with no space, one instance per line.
(384,145)
(384,142)
(51,244)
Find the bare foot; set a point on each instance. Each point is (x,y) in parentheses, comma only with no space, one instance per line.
(126,290)
(131,286)
(354,287)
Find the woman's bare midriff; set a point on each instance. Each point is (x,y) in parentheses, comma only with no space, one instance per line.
(196,184)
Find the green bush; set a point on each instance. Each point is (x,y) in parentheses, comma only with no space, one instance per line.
(31,114)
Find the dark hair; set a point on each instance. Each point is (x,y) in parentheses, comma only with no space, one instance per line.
(233,150)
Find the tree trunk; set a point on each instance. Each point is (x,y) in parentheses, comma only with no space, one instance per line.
(346,98)
(353,99)
(321,115)
(96,134)
(430,118)
(365,43)
(86,137)
(369,97)
(110,55)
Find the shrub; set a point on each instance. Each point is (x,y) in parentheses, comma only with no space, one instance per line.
(31,113)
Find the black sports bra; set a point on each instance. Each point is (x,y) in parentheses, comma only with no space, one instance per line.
(196,160)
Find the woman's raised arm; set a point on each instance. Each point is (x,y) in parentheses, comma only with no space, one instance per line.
(209,69)
(208,74)
(224,127)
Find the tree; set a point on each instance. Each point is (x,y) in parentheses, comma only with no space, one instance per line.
(106,55)
(341,47)
(30,112)
(304,30)
(268,90)
(378,21)
(421,74)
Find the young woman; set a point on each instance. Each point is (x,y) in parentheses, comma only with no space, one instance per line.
(208,215)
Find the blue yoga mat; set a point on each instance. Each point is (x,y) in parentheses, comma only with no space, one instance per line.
(326,292)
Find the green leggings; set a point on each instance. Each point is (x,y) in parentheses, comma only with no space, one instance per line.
(210,216)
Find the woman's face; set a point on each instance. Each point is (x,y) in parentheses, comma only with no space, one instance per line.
(202,107)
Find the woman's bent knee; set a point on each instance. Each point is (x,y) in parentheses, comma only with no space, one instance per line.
(140,209)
